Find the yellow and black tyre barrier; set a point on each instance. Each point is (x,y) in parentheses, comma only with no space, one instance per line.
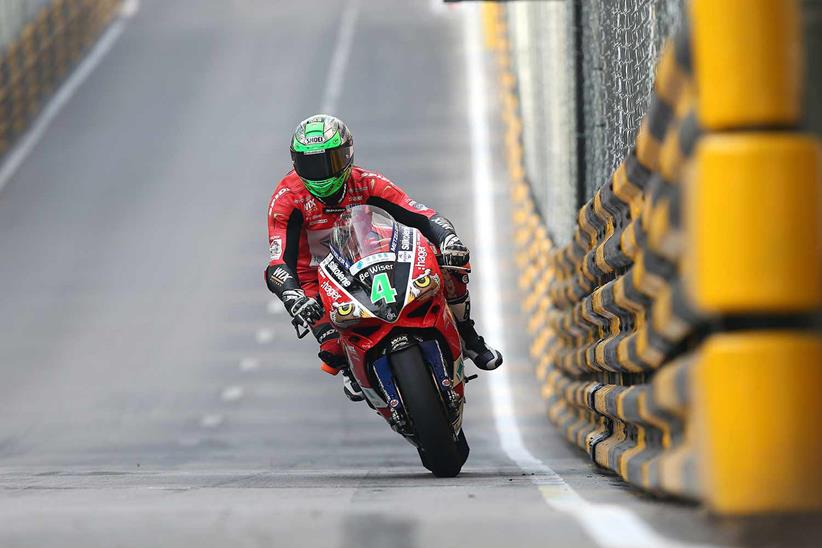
(34,64)
(676,336)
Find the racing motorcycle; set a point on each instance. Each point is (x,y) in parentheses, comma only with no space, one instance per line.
(382,286)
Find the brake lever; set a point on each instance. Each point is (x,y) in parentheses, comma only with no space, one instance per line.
(444,266)
(455,268)
(301,327)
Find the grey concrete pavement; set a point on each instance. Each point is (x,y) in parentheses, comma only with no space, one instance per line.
(148,395)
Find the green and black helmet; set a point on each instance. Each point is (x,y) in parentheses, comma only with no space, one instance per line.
(322,150)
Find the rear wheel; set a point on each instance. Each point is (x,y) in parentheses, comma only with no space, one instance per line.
(439,450)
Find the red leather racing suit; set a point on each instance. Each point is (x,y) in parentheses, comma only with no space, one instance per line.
(299,228)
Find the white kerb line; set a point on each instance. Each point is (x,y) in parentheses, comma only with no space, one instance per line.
(339,61)
(608,525)
(65,92)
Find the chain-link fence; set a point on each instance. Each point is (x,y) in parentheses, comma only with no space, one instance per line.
(812,26)
(621,40)
(13,14)
(585,70)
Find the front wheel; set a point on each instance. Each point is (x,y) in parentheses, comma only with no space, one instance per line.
(439,449)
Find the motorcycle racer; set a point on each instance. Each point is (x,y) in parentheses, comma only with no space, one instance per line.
(302,212)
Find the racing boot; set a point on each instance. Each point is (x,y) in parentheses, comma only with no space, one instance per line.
(351,387)
(334,361)
(476,349)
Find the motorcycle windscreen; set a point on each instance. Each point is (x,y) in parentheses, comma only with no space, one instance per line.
(362,235)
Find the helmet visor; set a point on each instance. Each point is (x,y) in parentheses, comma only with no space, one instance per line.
(323,164)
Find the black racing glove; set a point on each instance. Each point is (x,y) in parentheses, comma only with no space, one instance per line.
(453,251)
(308,310)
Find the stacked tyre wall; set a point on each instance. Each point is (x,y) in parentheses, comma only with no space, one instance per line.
(676,333)
(41,41)
(14,14)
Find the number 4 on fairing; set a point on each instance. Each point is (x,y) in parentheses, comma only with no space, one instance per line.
(381,289)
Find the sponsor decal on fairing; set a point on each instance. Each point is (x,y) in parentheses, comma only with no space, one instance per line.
(407,238)
(400,342)
(375,269)
(372,259)
(422,256)
(332,267)
(331,291)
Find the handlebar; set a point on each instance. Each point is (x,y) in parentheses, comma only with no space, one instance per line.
(443,266)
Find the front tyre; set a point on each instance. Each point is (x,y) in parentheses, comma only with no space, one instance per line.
(439,450)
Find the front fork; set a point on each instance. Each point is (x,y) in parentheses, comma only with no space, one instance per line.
(450,386)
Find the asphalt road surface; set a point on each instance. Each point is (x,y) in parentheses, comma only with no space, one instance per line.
(153,395)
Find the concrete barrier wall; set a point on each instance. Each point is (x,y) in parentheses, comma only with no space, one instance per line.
(676,336)
(41,42)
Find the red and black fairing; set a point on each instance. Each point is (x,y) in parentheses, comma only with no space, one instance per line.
(370,331)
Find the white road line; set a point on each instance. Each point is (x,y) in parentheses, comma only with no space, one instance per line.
(608,525)
(18,154)
(249,364)
(232,393)
(212,421)
(339,61)
(264,335)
